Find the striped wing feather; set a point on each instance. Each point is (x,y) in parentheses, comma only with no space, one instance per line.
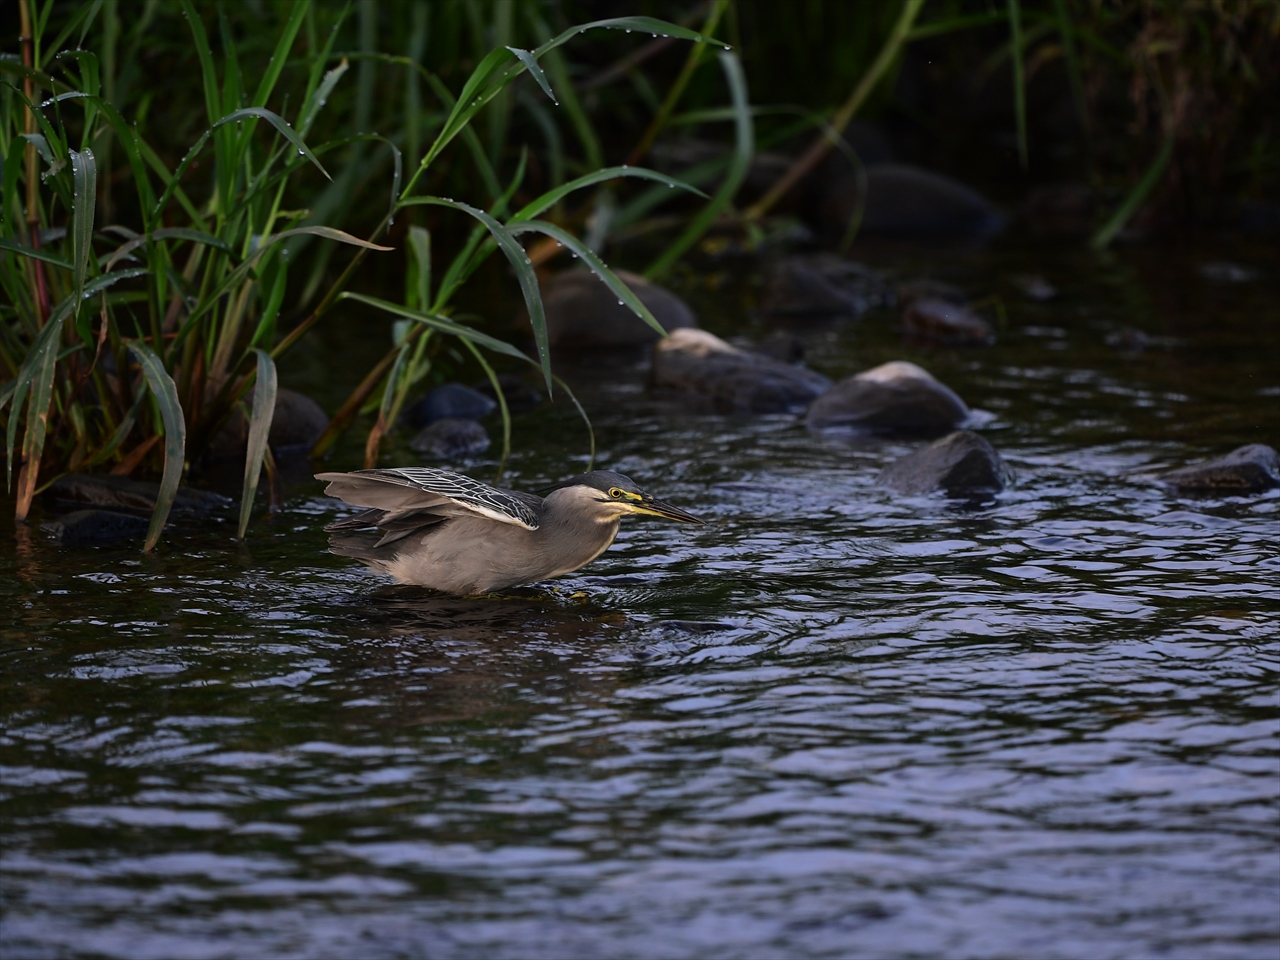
(421,487)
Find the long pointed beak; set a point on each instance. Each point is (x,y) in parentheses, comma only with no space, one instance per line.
(660,508)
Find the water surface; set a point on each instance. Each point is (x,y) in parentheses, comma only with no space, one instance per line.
(833,722)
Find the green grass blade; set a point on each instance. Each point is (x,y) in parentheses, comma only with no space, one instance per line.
(175,436)
(442,324)
(280,124)
(577,246)
(205,53)
(233,279)
(591,433)
(281,55)
(743,151)
(44,350)
(531,64)
(418,278)
(264,406)
(41,389)
(34,254)
(525,274)
(320,97)
(553,196)
(84,201)
(1136,196)
(950,24)
(168,233)
(502,66)
(265,331)
(248,113)
(34,367)
(648,25)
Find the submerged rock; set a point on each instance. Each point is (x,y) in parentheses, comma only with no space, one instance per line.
(451,438)
(582,312)
(81,527)
(1248,469)
(1128,340)
(893,398)
(132,496)
(823,285)
(1034,287)
(909,203)
(961,464)
(449,401)
(943,322)
(694,361)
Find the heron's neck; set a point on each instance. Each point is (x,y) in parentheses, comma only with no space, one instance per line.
(572,532)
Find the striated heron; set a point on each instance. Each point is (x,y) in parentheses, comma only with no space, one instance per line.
(445,531)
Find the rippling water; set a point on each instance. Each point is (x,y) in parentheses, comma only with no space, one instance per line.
(833,722)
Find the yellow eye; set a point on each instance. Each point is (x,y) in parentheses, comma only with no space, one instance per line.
(615,493)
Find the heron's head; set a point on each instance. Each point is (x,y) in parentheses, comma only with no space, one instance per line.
(607,496)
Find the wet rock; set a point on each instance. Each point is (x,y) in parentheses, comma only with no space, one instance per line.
(519,395)
(1248,469)
(1034,287)
(896,398)
(1128,340)
(694,361)
(452,401)
(961,464)
(908,203)
(83,527)
(823,285)
(451,438)
(296,424)
(1222,271)
(947,323)
(132,496)
(583,313)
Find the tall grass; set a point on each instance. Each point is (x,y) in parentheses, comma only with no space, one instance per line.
(123,335)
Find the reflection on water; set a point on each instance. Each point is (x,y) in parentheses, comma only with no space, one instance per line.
(831,723)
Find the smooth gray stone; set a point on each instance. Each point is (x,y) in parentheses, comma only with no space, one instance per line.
(960,464)
(450,439)
(296,424)
(96,526)
(947,323)
(132,496)
(451,400)
(697,362)
(893,398)
(1249,469)
(909,203)
(582,312)
(823,285)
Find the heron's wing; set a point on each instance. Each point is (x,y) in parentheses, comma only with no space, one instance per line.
(400,490)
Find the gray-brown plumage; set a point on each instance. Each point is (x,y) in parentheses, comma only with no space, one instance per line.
(442,530)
